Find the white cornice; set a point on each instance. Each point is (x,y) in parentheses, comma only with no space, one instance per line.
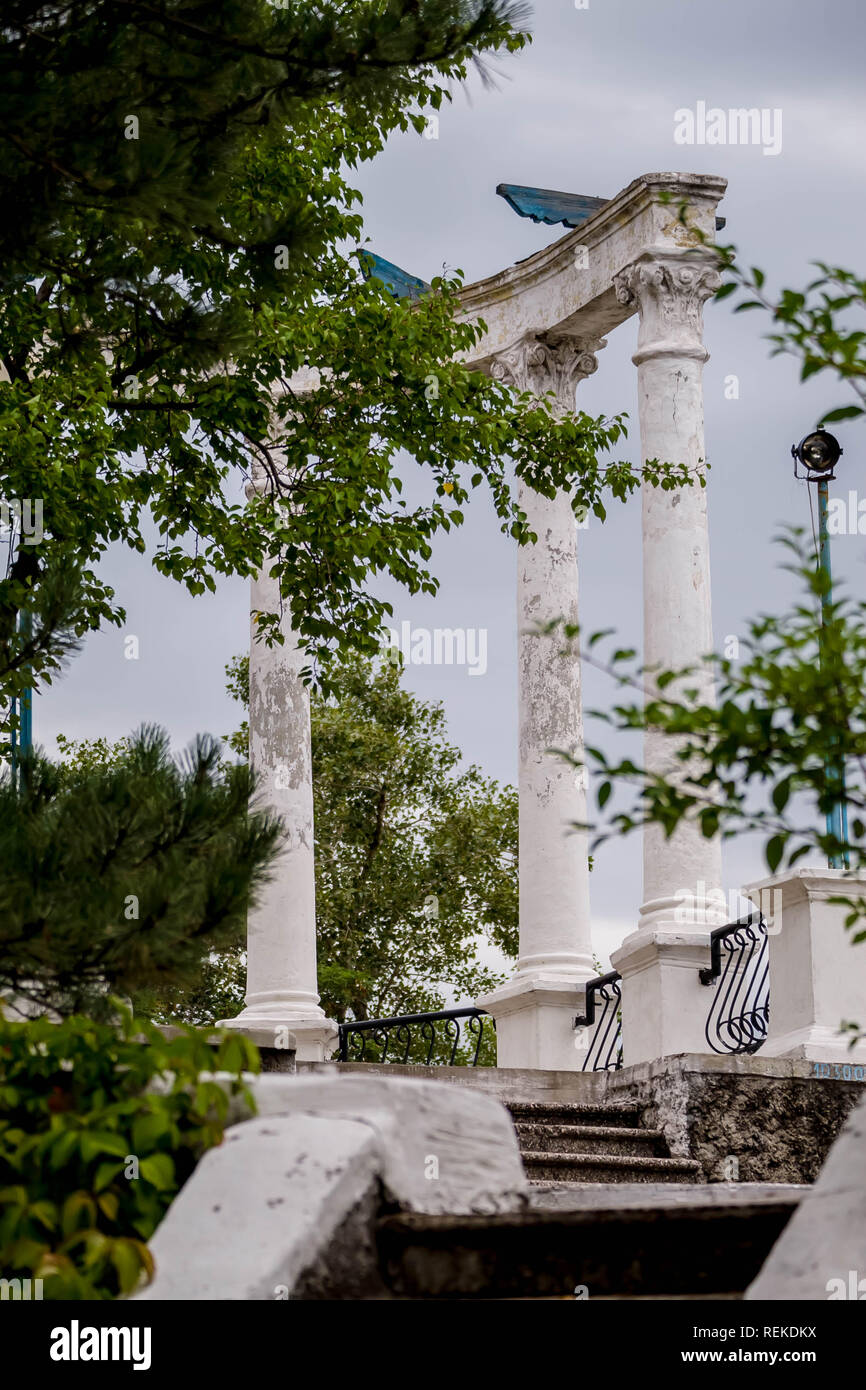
(547,293)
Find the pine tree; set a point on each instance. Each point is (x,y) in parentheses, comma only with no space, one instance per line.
(115,873)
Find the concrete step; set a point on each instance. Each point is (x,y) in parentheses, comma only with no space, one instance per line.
(562,1113)
(630,1241)
(557,1167)
(537,1137)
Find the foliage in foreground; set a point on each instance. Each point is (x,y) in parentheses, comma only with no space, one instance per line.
(790,705)
(101,1124)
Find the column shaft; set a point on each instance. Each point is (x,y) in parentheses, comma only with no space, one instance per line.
(535,1010)
(554,867)
(678,628)
(281,961)
(664,1004)
(282,996)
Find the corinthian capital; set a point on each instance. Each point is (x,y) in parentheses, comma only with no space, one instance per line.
(541,363)
(669,289)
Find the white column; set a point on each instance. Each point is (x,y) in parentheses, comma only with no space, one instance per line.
(282,996)
(664,1006)
(817,973)
(535,1010)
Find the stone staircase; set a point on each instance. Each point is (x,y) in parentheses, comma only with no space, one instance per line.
(600,1242)
(609,1215)
(606,1143)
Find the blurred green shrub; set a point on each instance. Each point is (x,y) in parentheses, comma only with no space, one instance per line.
(101,1124)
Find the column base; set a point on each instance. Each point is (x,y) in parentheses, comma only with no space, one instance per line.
(664,1004)
(534,1016)
(817,973)
(692,914)
(312,1036)
(816,1044)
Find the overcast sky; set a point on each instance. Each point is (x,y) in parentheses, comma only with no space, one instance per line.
(587,108)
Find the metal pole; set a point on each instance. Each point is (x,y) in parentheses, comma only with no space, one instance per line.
(13,741)
(837,816)
(26,623)
(22,738)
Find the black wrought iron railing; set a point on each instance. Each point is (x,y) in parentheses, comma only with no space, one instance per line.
(603,1022)
(739,1015)
(423,1039)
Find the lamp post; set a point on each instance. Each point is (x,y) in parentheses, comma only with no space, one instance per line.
(819,452)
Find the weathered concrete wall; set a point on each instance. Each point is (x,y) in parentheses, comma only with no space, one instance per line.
(744,1119)
(477,1158)
(285,1207)
(821,1254)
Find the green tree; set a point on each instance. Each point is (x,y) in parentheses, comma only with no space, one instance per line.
(115,874)
(415,857)
(173,274)
(789,703)
(140,110)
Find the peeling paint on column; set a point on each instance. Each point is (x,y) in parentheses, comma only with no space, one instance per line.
(669,289)
(534,1012)
(282,989)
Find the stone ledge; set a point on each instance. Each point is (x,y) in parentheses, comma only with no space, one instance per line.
(528,1083)
(771,1116)
(286,1206)
(665,1196)
(712,1063)
(503,1083)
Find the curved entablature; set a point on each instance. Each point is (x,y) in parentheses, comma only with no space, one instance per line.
(567,289)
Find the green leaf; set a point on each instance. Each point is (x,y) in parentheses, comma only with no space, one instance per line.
(45,1213)
(105,1175)
(109,1205)
(781,794)
(95,1143)
(148,1129)
(843,412)
(158,1169)
(78,1213)
(127,1260)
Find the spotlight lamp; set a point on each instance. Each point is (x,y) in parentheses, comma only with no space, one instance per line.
(818,452)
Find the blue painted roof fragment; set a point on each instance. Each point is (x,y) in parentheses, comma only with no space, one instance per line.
(400,283)
(548,205)
(552,207)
